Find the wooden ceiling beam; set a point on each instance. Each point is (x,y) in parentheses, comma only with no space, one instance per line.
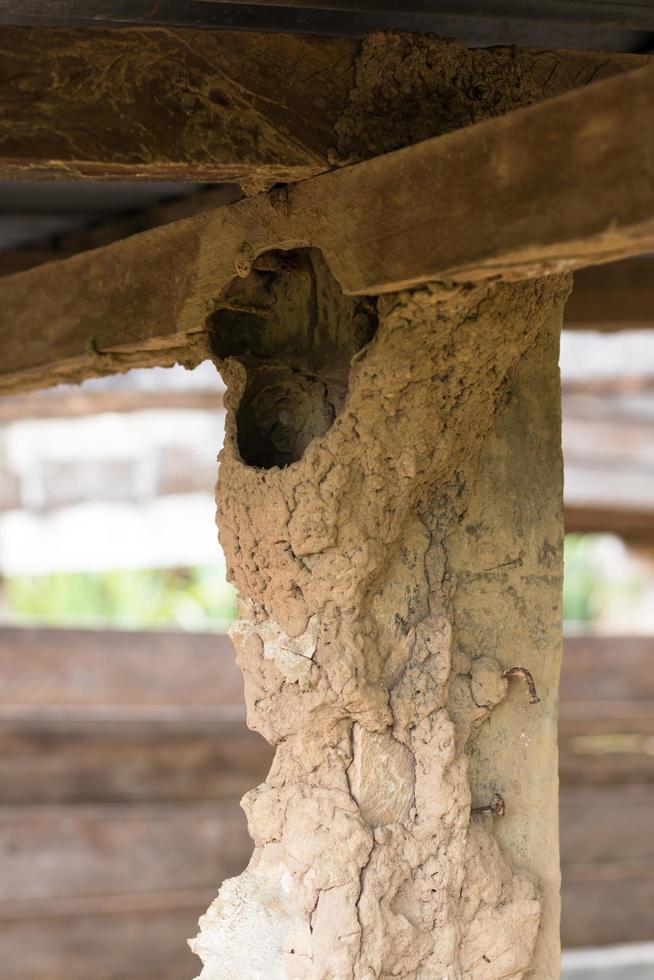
(179,104)
(615,297)
(170,104)
(559,185)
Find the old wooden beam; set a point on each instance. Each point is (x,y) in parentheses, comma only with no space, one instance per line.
(635,525)
(619,296)
(554,186)
(172,103)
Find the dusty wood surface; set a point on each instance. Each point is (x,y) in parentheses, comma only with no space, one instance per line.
(144,103)
(506,556)
(169,104)
(350,593)
(425,212)
(372,108)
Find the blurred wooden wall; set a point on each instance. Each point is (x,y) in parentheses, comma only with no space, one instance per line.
(124,756)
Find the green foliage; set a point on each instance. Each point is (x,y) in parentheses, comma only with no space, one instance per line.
(581,583)
(199,598)
(590,594)
(196,598)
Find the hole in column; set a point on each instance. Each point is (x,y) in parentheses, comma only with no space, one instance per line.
(294,331)
(281,411)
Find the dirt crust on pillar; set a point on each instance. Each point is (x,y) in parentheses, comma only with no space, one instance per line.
(367,861)
(412,87)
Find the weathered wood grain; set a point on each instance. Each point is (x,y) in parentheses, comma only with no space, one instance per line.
(169,104)
(113,229)
(558,185)
(485,83)
(144,103)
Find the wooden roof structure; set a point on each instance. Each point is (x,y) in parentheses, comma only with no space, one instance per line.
(46,40)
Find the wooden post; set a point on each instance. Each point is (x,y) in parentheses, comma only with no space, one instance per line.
(354,510)
(506,556)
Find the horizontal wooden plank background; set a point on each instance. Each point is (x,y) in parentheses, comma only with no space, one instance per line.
(124,756)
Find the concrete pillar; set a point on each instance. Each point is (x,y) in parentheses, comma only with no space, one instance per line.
(389,503)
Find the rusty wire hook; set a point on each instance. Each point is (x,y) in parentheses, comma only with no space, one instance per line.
(514,672)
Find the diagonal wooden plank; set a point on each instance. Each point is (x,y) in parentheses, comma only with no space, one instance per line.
(559,185)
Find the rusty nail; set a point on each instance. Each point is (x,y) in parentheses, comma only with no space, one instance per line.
(496,806)
(513,671)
